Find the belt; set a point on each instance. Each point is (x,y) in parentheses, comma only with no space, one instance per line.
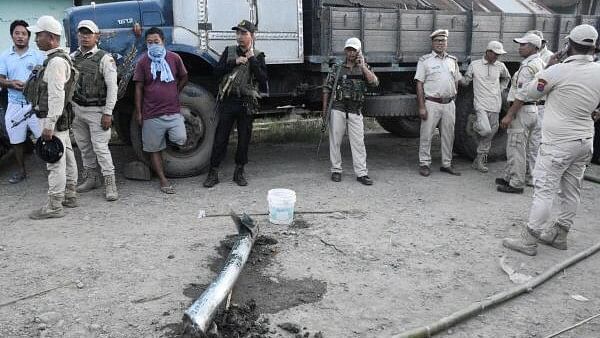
(541,103)
(442,100)
(530,103)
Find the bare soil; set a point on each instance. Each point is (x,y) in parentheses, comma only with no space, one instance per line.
(390,257)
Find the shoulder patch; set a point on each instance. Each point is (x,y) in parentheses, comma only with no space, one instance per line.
(425,57)
(541,85)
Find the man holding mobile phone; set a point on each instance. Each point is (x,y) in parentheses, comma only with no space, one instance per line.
(346,111)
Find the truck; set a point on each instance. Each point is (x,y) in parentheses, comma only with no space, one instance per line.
(301,39)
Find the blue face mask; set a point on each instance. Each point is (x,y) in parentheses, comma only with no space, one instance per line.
(156,50)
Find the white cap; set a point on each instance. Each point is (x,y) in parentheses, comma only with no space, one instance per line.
(584,35)
(530,38)
(496,47)
(89,24)
(439,32)
(46,23)
(353,43)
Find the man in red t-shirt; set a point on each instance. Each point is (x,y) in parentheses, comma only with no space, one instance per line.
(159,78)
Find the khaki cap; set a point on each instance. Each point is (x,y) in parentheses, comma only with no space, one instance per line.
(530,38)
(439,32)
(245,26)
(496,47)
(584,35)
(46,23)
(89,24)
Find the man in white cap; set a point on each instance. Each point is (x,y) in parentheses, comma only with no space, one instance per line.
(573,93)
(521,118)
(48,91)
(93,104)
(536,133)
(489,77)
(437,77)
(346,113)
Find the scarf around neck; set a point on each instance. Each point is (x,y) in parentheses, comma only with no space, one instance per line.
(157,54)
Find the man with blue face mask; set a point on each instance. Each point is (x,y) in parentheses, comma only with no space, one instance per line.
(159,78)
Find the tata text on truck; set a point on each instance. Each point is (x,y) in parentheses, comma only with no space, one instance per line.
(300,38)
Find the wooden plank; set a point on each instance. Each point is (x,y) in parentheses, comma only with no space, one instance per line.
(486,23)
(380,41)
(381,20)
(517,23)
(348,18)
(453,23)
(416,21)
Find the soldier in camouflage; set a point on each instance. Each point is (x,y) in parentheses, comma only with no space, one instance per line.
(346,112)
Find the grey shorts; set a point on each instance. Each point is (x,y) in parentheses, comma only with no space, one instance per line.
(154,131)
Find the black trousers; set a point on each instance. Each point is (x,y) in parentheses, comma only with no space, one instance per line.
(596,155)
(230,113)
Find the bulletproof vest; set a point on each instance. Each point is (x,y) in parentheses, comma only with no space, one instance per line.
(91,89)
(239,82)
(36,91)
(351,91)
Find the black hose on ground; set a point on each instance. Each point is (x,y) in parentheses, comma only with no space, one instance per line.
(479,307)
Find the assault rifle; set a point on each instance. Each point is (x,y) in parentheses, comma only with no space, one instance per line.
(23,119)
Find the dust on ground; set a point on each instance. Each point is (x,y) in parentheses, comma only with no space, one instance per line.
(384,259)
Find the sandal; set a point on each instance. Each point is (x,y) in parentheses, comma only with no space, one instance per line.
(168,189)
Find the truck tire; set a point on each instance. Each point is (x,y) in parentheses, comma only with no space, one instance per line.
(466,144)
(122,117)
(198,109)
(408,127)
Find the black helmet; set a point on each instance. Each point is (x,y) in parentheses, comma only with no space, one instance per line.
(49,151)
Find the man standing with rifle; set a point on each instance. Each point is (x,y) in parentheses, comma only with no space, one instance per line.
(348,85)
(243,71)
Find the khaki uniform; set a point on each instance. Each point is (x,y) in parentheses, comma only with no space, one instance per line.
(439,75)
(520,129)
(347,116)
(488,82)
(91,139)
(573,92)
(536,133)
(64,171)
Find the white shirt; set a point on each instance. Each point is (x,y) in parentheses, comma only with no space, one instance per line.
(529,67)
(573,92)
(489,79)
(439,74)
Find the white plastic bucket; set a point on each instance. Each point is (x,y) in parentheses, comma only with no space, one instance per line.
(281,206)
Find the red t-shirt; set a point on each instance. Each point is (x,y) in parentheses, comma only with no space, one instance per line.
(160,98)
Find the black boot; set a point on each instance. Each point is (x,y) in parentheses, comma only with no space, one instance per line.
(212,179)
(238,176)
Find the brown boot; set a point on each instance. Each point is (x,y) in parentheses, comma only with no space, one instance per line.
(555,236)
(91,180)
(527,244)
(70,200)
(52,209)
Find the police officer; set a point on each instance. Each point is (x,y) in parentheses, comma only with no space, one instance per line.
(437,77)
(346,112)
(573,92)
(243,73)
(489,77)
(521,118)
(15,66)
(93,103)
(48,92)
(536,134)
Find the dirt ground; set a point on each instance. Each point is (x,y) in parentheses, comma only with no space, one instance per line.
(390,257)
